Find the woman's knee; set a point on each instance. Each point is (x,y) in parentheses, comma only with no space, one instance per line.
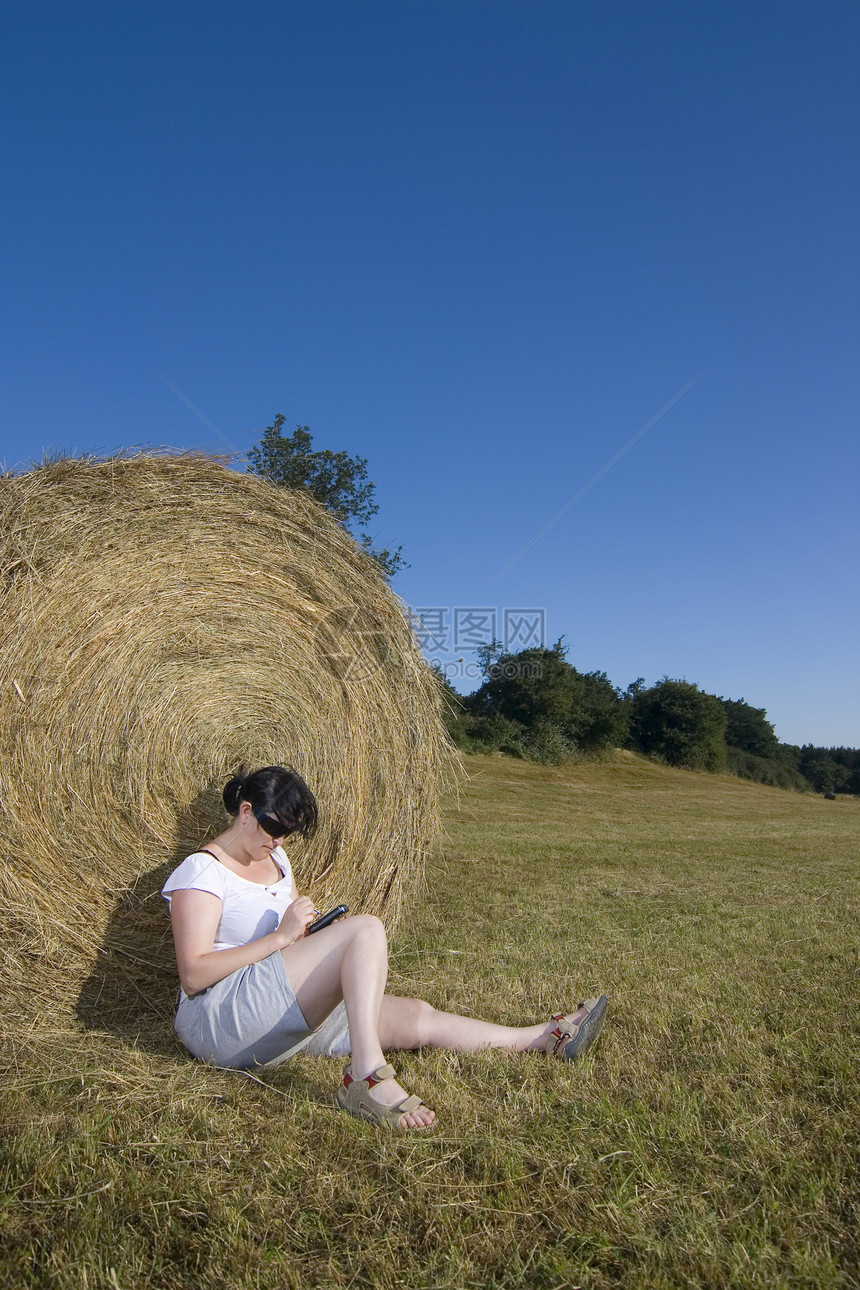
(405,1023)
(423,1014)
(369,927)
(366,934)
(418,1022)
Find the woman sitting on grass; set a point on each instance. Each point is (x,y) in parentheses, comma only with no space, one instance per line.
(256,989)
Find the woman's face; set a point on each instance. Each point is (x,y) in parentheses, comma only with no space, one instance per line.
(259,840)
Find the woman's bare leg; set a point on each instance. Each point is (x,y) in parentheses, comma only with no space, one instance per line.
(412,1023)
(349,961)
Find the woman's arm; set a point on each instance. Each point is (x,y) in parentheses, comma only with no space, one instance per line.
(195,916)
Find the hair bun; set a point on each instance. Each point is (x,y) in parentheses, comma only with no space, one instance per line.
(233,792)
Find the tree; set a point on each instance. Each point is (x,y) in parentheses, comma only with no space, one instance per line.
(825,773)
(679,723)
(748,728)
(334,478)
(535,684)
(600,718)
(558,708)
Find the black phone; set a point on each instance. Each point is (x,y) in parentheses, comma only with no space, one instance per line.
(325,919)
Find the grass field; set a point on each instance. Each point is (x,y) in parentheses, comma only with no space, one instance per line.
(710,1140)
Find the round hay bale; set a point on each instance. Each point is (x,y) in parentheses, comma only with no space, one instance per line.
(165,620)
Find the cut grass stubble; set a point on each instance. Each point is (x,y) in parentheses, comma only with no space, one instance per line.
(709,1140)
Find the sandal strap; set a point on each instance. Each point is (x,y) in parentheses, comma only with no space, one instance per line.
(563,1032)
(569,1038)
(588,1004)
(354,1097)
(385,1072)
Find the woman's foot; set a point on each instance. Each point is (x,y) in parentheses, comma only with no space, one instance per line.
(569,1036)
(540,1034)
(387,1103)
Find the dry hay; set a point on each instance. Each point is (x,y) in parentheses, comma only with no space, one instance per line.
(165,620)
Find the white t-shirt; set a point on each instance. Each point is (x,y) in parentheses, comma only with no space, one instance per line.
(249,910)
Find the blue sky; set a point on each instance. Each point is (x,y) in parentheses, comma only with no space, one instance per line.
(481,244)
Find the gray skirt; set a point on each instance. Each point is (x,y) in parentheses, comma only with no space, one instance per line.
(252,1018)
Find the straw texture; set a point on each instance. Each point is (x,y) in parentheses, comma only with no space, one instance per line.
(165,620)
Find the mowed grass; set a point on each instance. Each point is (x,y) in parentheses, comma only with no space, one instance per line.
(710,1140)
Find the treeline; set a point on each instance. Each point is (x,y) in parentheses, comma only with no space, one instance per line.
(536,705)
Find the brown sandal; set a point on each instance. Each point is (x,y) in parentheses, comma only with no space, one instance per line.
(570,1039)
(353,1096)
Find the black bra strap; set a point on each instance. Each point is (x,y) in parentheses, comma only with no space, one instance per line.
(204,851)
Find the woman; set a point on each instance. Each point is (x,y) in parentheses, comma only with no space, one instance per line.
(256,989)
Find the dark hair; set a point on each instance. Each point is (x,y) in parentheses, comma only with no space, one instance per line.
(279,791)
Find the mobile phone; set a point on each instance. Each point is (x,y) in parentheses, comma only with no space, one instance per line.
(325,919)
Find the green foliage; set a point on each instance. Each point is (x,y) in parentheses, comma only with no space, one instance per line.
(789,755)
(535,705)
(748,729)
(491,732)
(680,724)
(850,759)
(557,709)
(334,478)
(477,732)
(600,718)
(389,559)
(826,772)
(765,770)
(546,743)
(536,684)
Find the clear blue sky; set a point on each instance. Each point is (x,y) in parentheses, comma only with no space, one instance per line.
(481,243)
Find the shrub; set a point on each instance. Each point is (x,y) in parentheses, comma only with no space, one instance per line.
(826,773)
(599,718)
(678,723)
(546,743)
(555,705)
(491,732)
(765,770)
(748,728)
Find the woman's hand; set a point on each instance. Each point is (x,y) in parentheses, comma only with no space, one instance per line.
(296,918)
(196,915)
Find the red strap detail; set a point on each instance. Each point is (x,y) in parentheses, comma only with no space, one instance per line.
(350,1079)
